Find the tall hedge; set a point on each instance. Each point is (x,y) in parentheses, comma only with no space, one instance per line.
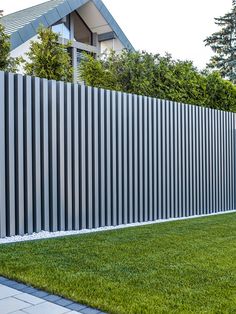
(158,76)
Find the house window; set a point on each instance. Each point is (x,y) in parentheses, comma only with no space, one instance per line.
(81,31)
(62,28)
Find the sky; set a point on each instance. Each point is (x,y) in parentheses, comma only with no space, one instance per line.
(159,26)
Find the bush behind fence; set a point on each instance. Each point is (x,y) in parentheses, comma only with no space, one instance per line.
(75,157)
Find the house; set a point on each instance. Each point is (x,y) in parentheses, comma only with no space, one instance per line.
(86,23)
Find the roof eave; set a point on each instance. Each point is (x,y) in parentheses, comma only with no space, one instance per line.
(52,16)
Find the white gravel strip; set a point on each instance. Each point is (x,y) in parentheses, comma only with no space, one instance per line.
(47,234)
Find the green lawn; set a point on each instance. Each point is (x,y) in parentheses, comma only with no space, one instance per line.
(176,267)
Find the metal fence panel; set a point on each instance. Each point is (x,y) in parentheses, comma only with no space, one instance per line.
(75,157)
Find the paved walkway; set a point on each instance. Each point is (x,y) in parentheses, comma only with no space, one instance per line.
(14,301)
(17,298)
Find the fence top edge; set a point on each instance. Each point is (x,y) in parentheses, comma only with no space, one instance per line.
(138,96)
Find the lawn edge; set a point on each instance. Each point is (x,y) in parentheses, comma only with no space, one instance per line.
(58,234)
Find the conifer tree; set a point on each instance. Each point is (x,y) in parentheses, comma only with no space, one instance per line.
(223,43)
(49,59)
(7,63)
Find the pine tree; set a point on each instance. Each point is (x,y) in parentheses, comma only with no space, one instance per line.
(49,59)
(223,43)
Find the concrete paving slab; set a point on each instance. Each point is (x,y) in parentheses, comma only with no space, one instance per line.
(10,305)
(6,292)
(29,298)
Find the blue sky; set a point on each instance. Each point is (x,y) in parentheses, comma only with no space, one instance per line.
(178,27)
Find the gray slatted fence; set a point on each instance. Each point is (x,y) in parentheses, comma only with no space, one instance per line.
(75,157)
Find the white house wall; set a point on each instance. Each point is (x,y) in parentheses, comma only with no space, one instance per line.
(113,44)
(21,52)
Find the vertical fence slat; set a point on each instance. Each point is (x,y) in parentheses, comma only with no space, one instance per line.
(89,159)
(155,164)
(150,158)
(140,144)
(68,183)
(2,158)
(184,161)
(228,160)
(172,165)
(130,148)
(232,194)
(197,158)
(164,161)
(83,179)
(194,160)
(96,157)
(125,159)
(207,162)
(159,158)
(219,162)
(75,172)
(28,154)
(45,154)
(190,174)
(215,156)
(233,162)
(167,162)
(37,155)
(180,158)
(10,120)
(102,160)
(53,156)
(19,133)
(222,160)
(145,158)
(176,165)
(108,159)
(61,155)
(211,163)
(187,156)
(119,155)
(114,158)
(136,164)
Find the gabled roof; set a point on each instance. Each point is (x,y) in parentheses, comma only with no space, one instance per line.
(23,25)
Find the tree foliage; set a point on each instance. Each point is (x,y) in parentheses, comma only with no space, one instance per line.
(158,76)
(223,43)
(47,58)
(7,63)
